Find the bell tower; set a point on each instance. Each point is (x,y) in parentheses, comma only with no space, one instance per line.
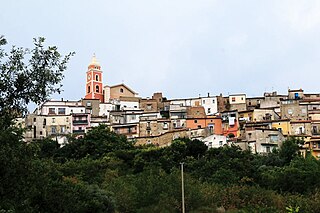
(94,87)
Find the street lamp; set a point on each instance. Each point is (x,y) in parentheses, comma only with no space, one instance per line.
(182,187)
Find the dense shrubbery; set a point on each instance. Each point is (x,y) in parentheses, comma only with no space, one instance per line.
(104,173)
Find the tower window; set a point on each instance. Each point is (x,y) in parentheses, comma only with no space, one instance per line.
(89,89)
(97,78)
(97,88)
(121,90)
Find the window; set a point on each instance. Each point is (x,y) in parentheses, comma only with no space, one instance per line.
(52,111)
(62,129)
(40,132)
(209,110)
(220,143)
(249,103)
(44,121)
(53,120)
(67,119)
(97,78)
(80,128)
(34,119)
(233,99)
(165,125)
(53,130)
(89,89)
(61,111)
(204,101)
(199,126)
(121,90)
(97,88)
(268,149)
(290,111)
(274,138)
(213,101)
(195,121)
(241,98)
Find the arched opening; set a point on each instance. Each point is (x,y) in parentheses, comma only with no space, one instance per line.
(97,88)
(89,89)
(97,77)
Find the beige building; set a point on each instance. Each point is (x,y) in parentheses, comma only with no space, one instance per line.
(295,94)
(263,141)
(238,102)
(291,109)
(117,91)
(92,106)
(300,128)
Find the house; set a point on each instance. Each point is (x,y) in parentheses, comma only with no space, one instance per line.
(117,91)
(215,141)
(230,124)
(291,109)
(262,140)
(300,128)
(238,102)
(282,125)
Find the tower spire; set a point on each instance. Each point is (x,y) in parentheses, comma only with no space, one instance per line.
(94,60)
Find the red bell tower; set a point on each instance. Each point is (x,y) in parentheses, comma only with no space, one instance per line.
(94,87)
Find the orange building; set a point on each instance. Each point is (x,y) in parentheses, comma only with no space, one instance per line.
(94,87)
(197,119)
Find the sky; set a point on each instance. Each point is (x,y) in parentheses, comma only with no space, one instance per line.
(182,48)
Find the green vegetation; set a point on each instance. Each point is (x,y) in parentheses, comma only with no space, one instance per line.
(103,172)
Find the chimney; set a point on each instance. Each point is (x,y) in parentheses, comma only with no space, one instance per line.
(208,94)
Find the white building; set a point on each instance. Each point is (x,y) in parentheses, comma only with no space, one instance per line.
(215,141)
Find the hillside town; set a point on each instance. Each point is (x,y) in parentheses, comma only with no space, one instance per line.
(259,124)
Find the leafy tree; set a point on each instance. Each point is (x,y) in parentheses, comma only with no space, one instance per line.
(290,149)
(28,75)
(98,142)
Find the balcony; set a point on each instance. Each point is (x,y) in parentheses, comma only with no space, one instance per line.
(79,131)
(80,122)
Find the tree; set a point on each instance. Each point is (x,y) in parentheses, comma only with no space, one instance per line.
(25,76)
(290,149)
(28,76)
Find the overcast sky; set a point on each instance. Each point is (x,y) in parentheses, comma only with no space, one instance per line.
(180,47)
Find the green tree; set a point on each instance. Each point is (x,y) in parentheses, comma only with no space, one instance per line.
(97,143)
(290,149)
(28,75)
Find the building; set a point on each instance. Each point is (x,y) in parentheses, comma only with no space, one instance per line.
(94,88)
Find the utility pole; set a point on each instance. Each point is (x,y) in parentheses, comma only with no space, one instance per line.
(182,187)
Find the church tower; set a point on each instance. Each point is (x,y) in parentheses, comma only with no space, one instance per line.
(94,87)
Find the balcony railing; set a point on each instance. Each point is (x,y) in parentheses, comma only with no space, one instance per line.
(79,131)
(80,121)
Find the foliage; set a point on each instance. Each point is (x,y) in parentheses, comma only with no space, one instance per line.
(290,149)
(28,75)
(98,142)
